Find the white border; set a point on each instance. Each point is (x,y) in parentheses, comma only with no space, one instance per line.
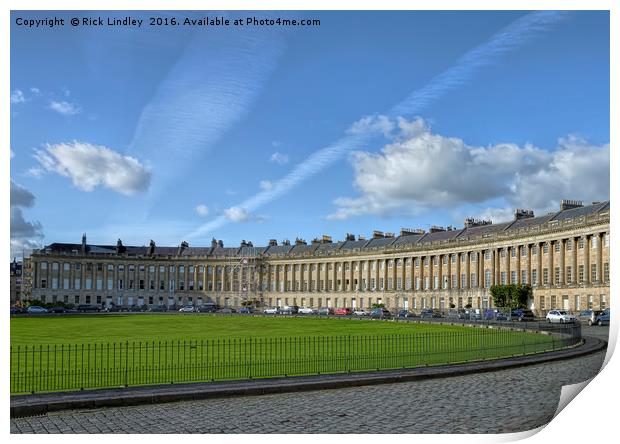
(591,416)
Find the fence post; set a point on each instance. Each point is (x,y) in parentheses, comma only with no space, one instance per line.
(126,363)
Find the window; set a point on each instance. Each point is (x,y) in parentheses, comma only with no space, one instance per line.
(487,255)
(590,302)
(557,275)
(502,253)
(162,269)
(121,268)
(534,277)
(65,266)
(603,302)
(503,278)
(569,274)
(171,268)
(88,299)
(553,301)
(99,284)
(513,277)
(524,276)
(110,284)
(141,284)
(545,276)
(99,267)
(472,280)
(453,258)
(513,252)
(78,266)
(89,283)
(65,283)
(487,278)
(120,284)
(43,265)
(577,302)
(594,242)
(569,245)
(171,285)
(55,266)
(132,268)
(523,251)
(581,243)
(593,270)
(152,285)
(606,271)
(606,239)
(76,283)
(131,287)
(162,285)
(181,268)
(556,247)
(463,280)
(110,267)
(546,248)
(534,250)
(581,273)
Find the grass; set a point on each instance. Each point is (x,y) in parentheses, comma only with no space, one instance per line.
(75,352)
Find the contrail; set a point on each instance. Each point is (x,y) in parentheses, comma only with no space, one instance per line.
(509,38)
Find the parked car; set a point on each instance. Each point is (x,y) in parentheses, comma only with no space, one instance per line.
(206,308)
(603,318)
(325,311)
(380,313)
(113,308)
(360,312)
(158,308)
(588,316)
(138,308)
(83,308)
(187,309)
(560,316)
(289,309)
(271,311)
(430,313)
(246,310)
(343,311)
(35,309)
(522,315)
(57,309)
(17,310)
(405,314)
(457,313)
(306,310)
(473,314)
(226,310)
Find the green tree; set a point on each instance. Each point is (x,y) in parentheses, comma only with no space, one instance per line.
(511,296)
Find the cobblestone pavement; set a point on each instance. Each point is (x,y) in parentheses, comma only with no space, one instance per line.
(504,401)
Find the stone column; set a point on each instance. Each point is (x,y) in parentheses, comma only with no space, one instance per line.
(440,273)
(528,264)
(458,270)
(586,259)
(599,257)
(550,263)
(468,269)
(539,264)
(562,263)
(431,274)
(507,265)
(575,271)
(421,273)
(518,264)
(449,270)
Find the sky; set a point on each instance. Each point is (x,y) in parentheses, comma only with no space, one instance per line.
(368,121)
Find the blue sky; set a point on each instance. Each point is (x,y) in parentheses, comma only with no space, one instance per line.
(187,133)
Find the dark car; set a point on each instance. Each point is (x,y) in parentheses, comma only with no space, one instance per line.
(246,310)
(522,315)
(57,309)
(206,308)
(459,313)
(603,318)
(405,314)
(325,311)
(380,313)
(493,314)
(158,308)
(226,310)
(430,313)
(17,310)
(113,308)
(588,316)
(83,308)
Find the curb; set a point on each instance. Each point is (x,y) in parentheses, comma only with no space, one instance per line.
(32,405)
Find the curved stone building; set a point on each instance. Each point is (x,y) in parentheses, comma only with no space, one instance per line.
(564,255)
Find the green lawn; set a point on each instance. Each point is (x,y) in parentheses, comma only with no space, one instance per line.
(74,352)
(165,327)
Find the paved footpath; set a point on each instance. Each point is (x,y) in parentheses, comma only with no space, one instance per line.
(503,401)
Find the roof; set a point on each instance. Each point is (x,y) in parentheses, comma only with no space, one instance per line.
(352,245)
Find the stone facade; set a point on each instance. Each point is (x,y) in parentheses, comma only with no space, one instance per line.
(564,255)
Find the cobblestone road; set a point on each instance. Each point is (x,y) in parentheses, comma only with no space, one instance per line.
(495,402)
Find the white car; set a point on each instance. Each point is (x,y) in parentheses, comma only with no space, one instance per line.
(187,309)
(561,316)
(360,312)
(306,311)
(271,311)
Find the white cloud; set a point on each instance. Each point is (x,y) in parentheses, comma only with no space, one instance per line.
(276,143)
(25,235)
(17,96)
(236,214)
(64,108)
(421,170)
(202,210)
(35,90)
(265,185)
(279,158)
(372,125)
(89,166)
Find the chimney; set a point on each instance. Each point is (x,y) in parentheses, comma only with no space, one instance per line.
(361,237)
(286,242)
(84,243)
(376,234)
(410,231)
(119,247)
(220,243)
(523,214)
(436,229)
(182,248)
(471,222)
(315,241)
(299,241)
(213,243)
(566,204)
(350,237)
(273,243)
(326,239)
(151,250)
(390,235)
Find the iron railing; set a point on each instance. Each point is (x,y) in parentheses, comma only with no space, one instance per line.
(45,368)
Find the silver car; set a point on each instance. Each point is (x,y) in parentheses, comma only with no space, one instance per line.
(560,316)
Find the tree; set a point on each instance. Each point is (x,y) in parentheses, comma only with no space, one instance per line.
(511,295)
(375,305)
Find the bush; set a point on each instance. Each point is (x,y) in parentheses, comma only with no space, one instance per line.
(511,296)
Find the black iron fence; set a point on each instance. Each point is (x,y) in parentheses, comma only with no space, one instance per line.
(44,368)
